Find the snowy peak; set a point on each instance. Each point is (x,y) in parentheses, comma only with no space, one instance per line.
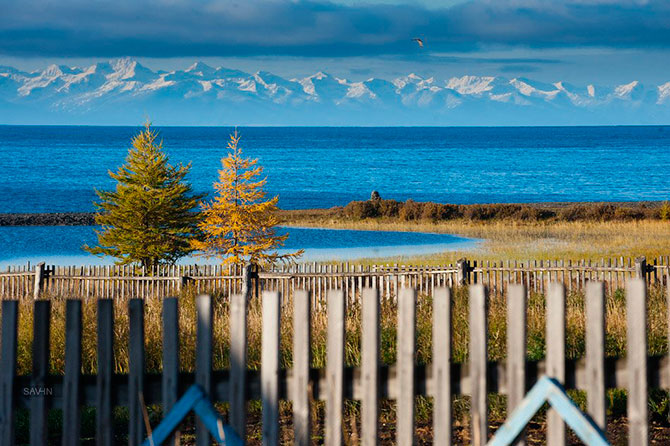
(201,69)
(125,84)
(322,86)
(53,71)
(127,69)
(407,81)
(591,90)
(471,84)
(627,91)
(663,93)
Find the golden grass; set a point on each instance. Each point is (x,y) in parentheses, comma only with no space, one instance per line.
(616,331)
(516,240)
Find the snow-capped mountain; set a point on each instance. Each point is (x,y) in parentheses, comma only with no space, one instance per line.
(125,92)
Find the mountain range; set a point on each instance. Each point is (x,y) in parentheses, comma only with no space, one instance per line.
(124,92)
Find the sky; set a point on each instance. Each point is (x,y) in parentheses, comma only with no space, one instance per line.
(607,41)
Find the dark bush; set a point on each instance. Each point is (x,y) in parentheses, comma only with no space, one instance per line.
(478,212)
(624,213)
(431,211)
(572,213)
(360,210)
(388,208)
(534,214)
(411,210)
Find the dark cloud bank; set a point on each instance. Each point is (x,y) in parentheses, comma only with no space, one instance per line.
(176,28)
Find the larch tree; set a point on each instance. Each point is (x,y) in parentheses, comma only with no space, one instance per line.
(151,217)
(238,225)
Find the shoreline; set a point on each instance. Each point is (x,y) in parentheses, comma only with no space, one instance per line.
(500,238)
(48,219)
(486,212)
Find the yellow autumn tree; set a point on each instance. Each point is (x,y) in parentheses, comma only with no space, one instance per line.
(239,223)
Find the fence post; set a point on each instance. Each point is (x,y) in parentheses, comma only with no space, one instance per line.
(462,271)
(641,268)
(39,279)
(247,275)
(257,284)
(183,282)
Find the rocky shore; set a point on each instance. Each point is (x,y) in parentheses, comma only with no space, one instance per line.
(51,219)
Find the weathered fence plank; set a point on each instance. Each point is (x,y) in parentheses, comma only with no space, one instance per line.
(335,368)
(136,430)
(203,358)
(38,381)
(370,367)
(238,362)
(442,413)
(71,388)
(10,320)
(302,359)
(595,352)
(270,367)
(103,414)
(516,348)
(405,354)
(38,280)
(170,376)
(478,361)
(636,354)
(555,356)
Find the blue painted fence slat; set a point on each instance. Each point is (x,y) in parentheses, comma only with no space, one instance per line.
(196,400)
(549,390)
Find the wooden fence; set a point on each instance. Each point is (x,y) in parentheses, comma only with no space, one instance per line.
(301,384)
(128,281)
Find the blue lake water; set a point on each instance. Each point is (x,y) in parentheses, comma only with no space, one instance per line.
(56,169)
(61,245)
(48,169)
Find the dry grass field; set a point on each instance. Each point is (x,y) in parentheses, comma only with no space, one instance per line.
(585,233)
(519,240)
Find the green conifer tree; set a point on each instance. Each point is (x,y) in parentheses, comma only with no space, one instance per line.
(149,219)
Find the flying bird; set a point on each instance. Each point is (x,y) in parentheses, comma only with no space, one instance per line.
(419,41)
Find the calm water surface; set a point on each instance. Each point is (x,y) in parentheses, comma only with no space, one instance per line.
(48,169)
(61,245)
